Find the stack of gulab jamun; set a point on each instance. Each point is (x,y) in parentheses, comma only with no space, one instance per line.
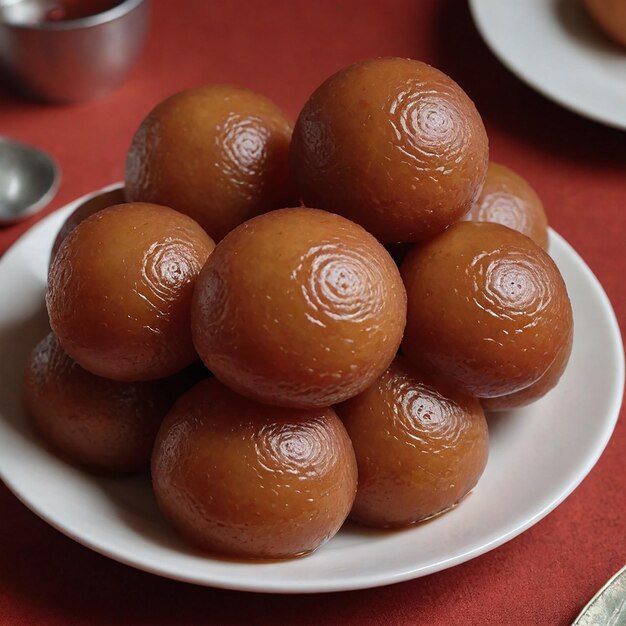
(232,318)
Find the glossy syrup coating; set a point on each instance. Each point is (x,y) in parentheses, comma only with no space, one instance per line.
(120,289)
(538,389)
(487,307)
(84,210)
(216,153)
(250,480)
(298,308)
(104,425)
(421,445)
(610,16)
(507,199)
(393,144)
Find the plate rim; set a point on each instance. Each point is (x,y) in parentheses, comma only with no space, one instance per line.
(530,80)
(287,586)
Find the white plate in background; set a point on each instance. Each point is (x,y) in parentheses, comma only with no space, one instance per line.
(555,47)
(538,456)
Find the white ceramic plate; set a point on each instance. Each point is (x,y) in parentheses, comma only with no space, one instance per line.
(538,456)
(554,47)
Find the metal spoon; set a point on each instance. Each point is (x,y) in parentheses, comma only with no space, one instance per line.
(608,606)
(29,178)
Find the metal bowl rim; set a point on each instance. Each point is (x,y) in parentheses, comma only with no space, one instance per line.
(120,10)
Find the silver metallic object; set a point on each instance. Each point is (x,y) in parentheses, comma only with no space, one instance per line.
(71,60)
(29,179)
(608,606)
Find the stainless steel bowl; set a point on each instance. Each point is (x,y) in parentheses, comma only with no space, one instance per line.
(73,60)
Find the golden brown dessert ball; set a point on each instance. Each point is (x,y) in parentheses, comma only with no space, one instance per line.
(298,308)
(104,425)
(538,389)
(250,480)
(393,144)
(507,199)
(217,153)
(120,289)
(487,307)
(84,210)
(421,445)
(610,16)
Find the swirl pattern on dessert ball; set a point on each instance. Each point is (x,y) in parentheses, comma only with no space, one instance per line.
(341,283)
(244,144)
(504,209)
(430,130)
(427,419)
(167,267)
(305,449)
(507,199)
(509,287)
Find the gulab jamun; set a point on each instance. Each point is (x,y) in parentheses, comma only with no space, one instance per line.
(102,424)
(538,389)
(216,153)
(421,444)
(298,308)
(393,144)
(249,480)
(83,211)
(507,199)
(610,16)
(120,290)
(487,307)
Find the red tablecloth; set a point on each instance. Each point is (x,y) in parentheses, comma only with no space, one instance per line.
(284,49)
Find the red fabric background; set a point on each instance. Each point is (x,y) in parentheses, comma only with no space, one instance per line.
(284,49)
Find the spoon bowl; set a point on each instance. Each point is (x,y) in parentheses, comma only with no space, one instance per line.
(29,178)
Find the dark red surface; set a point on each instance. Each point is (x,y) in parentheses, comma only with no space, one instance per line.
(284,49)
